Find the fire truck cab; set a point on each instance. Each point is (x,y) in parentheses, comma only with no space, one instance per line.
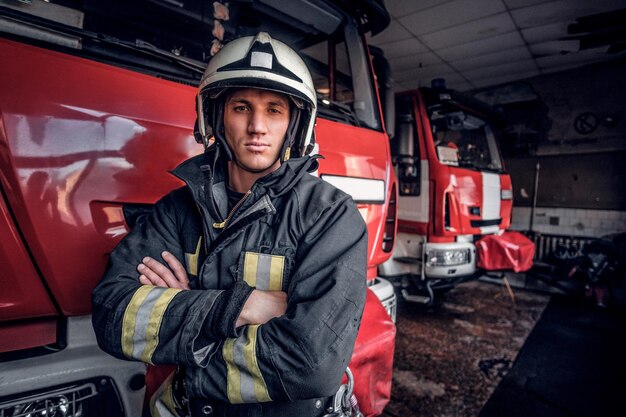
(97,103)
(453,189)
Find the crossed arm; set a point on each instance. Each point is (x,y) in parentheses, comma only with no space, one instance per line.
(259,308)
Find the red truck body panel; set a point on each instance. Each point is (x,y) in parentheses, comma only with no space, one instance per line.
(78,133)
(22,293)
(466,191)
(24,296)
(361,153)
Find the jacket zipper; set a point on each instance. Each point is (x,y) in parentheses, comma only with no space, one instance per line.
(205,233)
(222,225)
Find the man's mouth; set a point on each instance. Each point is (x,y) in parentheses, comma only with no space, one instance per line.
(256,146)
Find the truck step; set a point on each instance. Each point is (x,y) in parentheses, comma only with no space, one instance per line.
(415,298)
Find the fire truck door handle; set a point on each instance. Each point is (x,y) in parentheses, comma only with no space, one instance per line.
(114,219)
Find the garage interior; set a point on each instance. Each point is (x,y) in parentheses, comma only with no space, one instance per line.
(540,345)
(549,342)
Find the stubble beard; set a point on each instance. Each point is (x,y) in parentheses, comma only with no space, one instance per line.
(254,170)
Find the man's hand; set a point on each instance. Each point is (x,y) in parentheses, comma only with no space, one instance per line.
(262,306)
(155,273)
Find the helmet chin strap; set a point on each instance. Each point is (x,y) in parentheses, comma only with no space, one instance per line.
(218,131)
(290,136)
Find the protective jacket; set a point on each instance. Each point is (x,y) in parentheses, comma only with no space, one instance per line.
(291,232)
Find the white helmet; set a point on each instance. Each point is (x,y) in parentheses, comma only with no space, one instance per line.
(258,62)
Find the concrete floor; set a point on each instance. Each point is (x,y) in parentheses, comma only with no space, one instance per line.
(572,363)
(449,358)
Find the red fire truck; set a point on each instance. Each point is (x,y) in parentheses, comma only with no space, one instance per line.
(453,189)
(96,105)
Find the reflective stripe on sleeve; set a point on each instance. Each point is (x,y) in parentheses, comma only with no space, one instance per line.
(142,321)
(245,383)
(130,315)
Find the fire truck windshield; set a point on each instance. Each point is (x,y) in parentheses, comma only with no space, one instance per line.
(464,140)
(173,42)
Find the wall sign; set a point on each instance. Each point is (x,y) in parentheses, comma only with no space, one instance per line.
(586,123)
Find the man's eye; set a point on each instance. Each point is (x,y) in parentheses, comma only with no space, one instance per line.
(240,108)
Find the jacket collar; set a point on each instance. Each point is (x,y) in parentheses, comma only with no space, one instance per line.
(212,166)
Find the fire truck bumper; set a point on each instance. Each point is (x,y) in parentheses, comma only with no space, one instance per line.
(77,380)
(385,292)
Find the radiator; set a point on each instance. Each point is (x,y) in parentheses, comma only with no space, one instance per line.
(546,244)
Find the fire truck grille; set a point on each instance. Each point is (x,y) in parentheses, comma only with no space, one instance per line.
(485,223)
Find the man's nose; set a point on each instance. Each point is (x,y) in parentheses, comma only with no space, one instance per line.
(257,122)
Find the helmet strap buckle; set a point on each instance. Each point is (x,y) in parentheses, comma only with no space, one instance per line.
(205,141)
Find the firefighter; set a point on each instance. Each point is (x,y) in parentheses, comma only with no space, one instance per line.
(251,278)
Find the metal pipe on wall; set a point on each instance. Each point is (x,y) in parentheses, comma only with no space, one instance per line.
(534,204)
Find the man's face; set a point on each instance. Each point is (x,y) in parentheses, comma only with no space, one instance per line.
(255,124)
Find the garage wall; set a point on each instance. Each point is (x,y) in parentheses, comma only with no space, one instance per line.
(577,195)
(570,222)
(573,124)
(586,107)
(570,112)
(584,181)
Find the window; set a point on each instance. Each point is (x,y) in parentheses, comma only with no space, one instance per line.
(343,80)
(164,39)
(462,139)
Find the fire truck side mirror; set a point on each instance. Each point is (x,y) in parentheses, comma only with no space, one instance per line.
(408,171)
(406,158)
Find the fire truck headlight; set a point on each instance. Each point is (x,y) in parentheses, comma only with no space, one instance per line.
(56,406)
(448,257)
(95,397)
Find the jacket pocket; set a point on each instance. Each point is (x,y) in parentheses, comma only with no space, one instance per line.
(265,266)
(263,271)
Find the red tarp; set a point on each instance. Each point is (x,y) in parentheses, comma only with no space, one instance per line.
(511,250)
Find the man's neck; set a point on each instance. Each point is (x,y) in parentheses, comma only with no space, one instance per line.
(241,180)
